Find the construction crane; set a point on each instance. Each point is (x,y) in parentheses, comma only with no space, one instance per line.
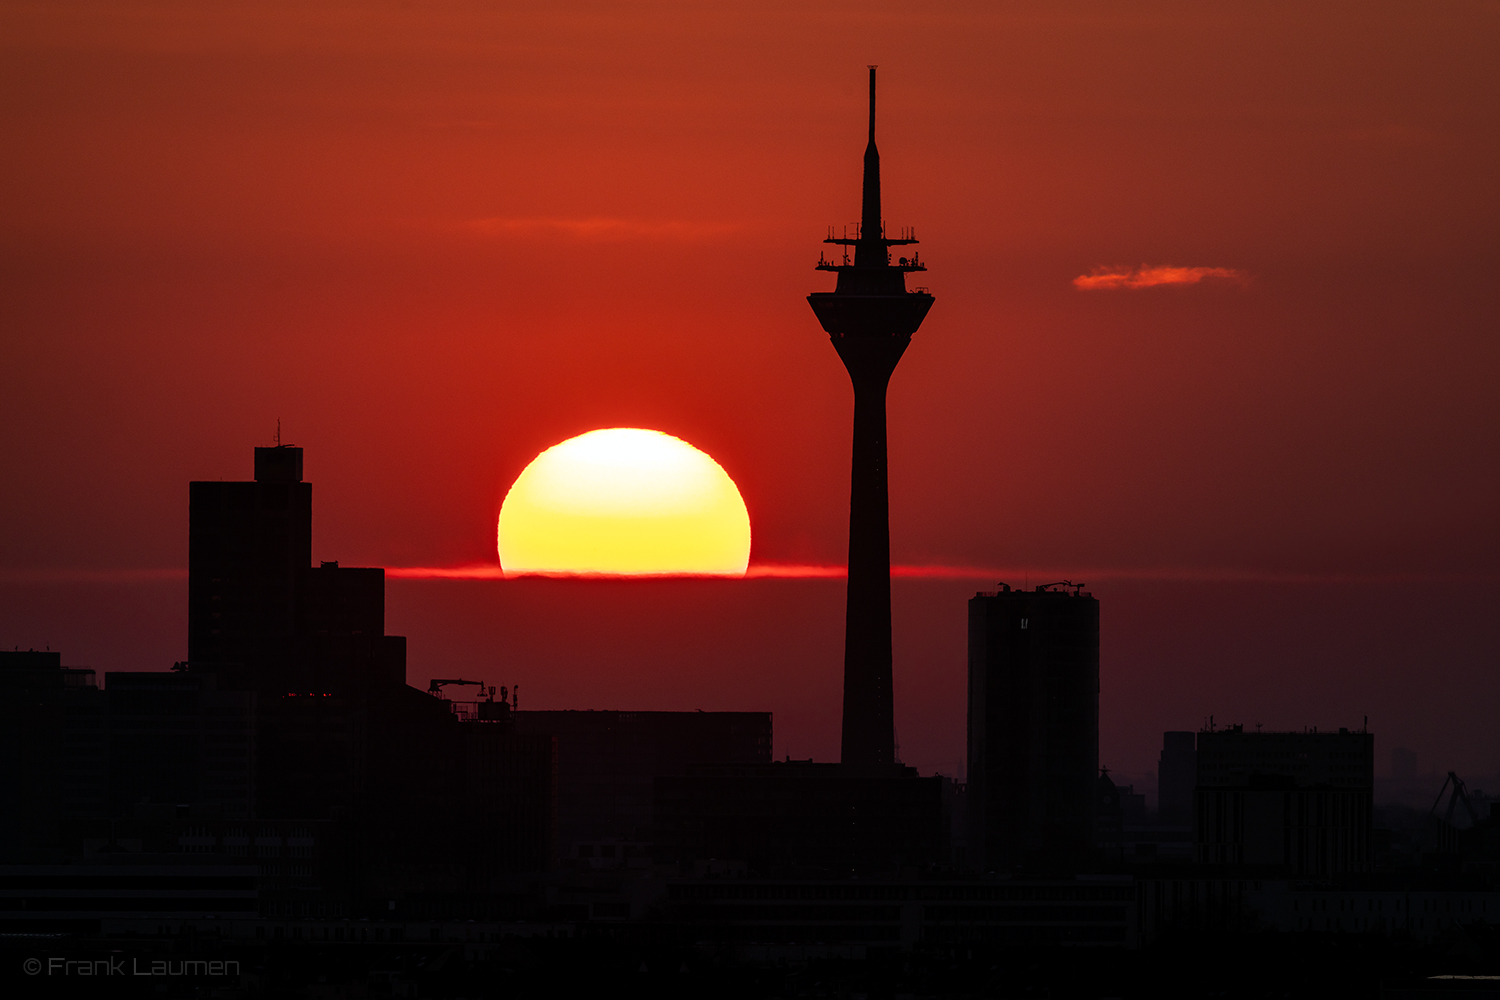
(1460,794)
(435,686)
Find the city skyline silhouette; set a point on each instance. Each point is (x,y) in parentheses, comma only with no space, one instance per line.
(1160,608)
(1222,457)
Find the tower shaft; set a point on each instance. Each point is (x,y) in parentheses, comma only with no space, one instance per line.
(869,705)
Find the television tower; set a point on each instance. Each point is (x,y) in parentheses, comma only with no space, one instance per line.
(870,317)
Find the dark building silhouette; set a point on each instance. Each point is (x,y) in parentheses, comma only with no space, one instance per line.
(248,544)
(870,318)
(52,750)
(1176,776)
(1109,817)
(1132,805)
(341,640)
(511,796)
(1033,726)
(786,921)
(289,739)
(175,740)
(799,814)
(1302,802)
(607,762)
(62,900)
(259,615)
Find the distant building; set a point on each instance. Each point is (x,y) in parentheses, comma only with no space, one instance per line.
(1132,805)
(608,760)
(511,796)
(1176,776)
(107,891)
(800,815)
(1302,802)
(175,740)
(1109,817)
(1033,726)
(52,751)
(780,921)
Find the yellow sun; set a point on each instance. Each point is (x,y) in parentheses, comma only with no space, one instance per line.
(624,501)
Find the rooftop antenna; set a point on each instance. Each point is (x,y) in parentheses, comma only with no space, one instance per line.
(278,432)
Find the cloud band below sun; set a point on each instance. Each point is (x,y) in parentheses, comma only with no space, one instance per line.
(1015,575)
(784,571)
(1145,276)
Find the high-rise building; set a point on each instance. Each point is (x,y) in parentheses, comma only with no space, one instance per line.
(248,544)
(259,614)
(1300,802)
(870,318)
(1176,775)
(1033,726)
(340,743)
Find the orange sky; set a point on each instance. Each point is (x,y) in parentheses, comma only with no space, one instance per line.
(434,239)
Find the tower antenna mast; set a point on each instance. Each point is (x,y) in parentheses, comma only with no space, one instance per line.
(869,318)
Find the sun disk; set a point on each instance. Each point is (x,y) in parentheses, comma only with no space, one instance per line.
(624,501)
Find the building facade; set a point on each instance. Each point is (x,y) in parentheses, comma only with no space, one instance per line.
(1303,802)
(1033,726)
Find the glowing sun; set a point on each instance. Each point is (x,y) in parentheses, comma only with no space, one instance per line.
(624,501)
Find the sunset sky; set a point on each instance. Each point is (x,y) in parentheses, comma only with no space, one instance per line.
(1215,333)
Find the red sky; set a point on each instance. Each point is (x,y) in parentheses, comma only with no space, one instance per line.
(434,239)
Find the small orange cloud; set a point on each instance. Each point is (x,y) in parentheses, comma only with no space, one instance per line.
(1152,277)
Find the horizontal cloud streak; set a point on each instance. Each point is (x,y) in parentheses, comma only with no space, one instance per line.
(602,229)
(1104,278)
(1016,576)
(483,571)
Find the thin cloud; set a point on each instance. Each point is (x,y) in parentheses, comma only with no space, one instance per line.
(1016,576)
(486,571)
(603,229)
(991,575)
(1145,276)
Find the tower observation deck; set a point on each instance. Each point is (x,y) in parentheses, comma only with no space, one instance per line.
(870,318)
